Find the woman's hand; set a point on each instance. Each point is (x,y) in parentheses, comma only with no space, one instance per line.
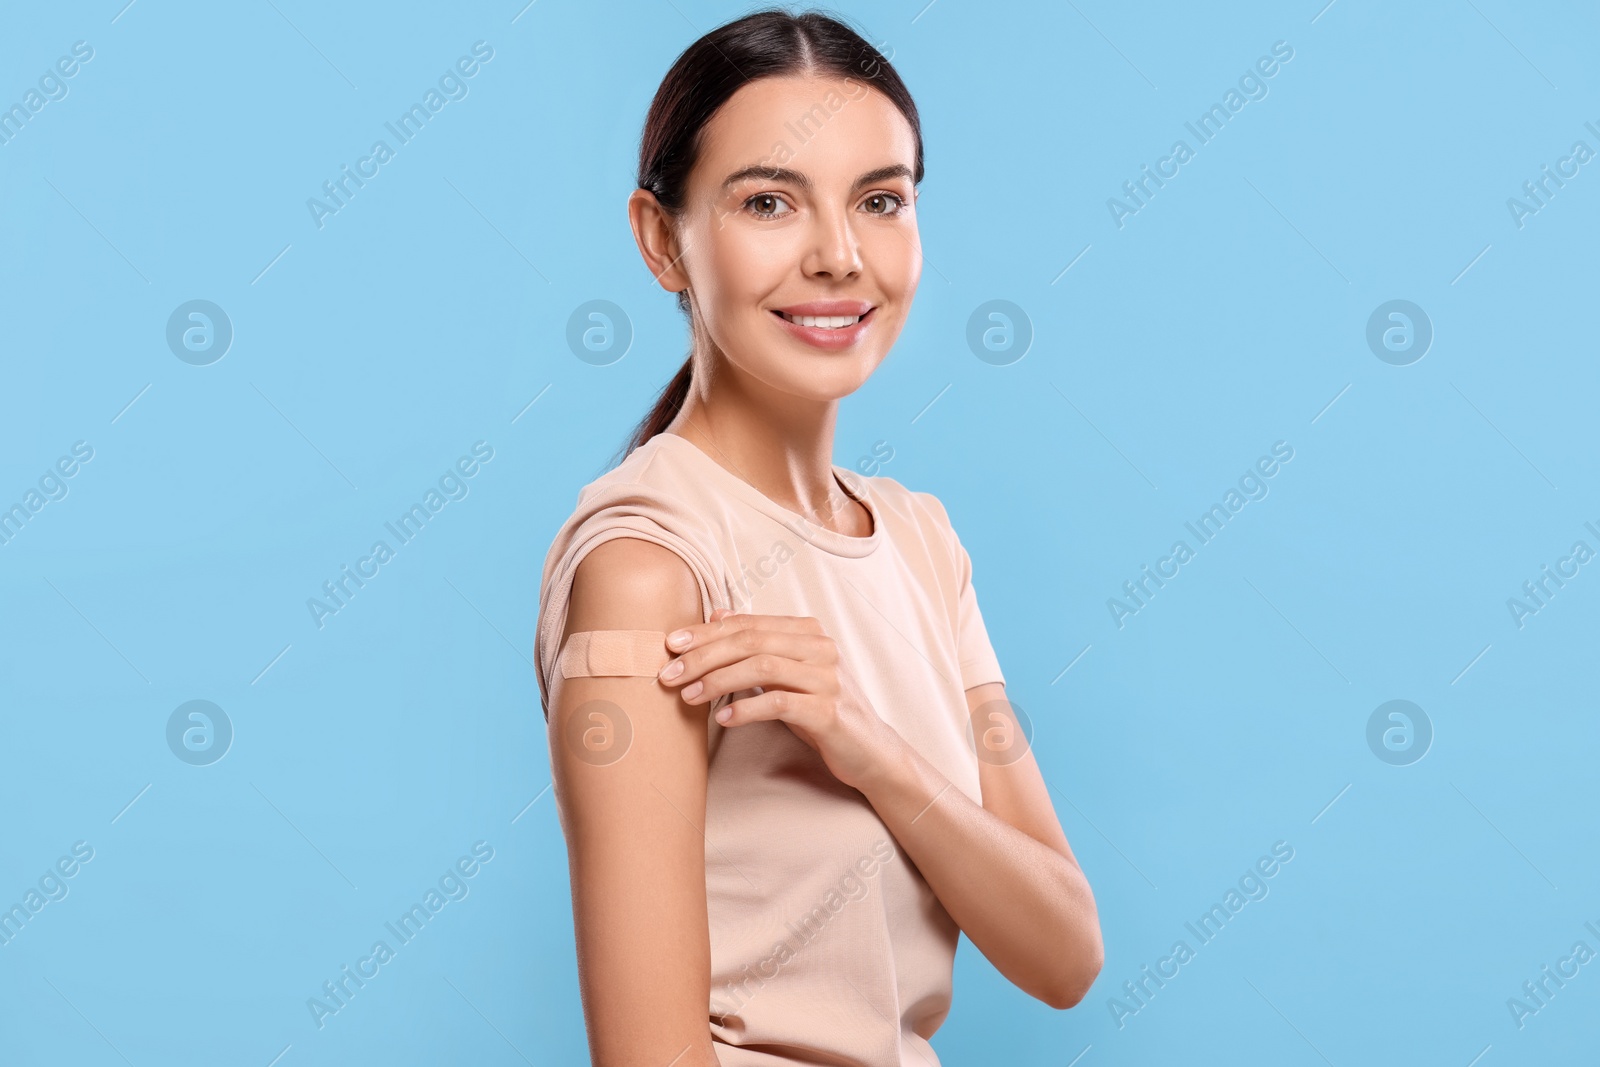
(802,679)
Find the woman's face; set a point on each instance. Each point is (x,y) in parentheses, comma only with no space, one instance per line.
(801,206)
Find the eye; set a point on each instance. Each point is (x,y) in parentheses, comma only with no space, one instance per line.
(898,202)
(759,203)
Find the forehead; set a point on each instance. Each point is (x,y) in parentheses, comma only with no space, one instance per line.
(831,127)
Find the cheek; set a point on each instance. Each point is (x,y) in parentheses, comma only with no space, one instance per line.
(756,261)
(739,272)
(894,258)
(893,262)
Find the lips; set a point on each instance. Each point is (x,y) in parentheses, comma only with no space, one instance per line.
(824,314)
(829,325)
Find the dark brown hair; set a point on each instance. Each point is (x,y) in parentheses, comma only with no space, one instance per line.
(764,44)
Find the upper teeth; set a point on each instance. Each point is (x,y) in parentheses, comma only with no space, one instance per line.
(829,322)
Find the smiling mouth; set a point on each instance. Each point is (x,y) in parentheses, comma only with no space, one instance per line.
(824,322)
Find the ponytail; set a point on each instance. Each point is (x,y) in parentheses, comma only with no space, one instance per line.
(666,406)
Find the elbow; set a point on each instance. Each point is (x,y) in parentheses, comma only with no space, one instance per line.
(1084,963)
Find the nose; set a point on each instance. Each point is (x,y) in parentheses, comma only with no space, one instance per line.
(833,252)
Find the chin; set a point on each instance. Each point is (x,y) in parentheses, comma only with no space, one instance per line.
(822,377)
(839,382)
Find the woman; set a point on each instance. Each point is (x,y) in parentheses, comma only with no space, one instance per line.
(778,826)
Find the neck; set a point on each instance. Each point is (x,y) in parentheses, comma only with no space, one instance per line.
(779,443)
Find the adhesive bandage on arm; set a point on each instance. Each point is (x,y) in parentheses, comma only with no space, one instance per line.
(611,653)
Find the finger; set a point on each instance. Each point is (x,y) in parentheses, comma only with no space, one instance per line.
(743,644)
(699,633)
(671,672)
(768,705)
(764,670)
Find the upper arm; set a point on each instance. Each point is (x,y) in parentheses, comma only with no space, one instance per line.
(1008,775)
(633,812)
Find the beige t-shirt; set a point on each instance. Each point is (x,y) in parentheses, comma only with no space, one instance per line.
(827,946)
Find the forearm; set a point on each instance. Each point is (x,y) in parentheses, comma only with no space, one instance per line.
(1027,907)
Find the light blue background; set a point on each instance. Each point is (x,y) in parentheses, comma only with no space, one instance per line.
(1228,314)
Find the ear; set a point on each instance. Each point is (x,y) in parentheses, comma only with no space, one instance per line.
(657,240)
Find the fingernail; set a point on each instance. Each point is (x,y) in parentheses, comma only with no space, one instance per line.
(725,714)
(692,690)
(672,670)
(678,638)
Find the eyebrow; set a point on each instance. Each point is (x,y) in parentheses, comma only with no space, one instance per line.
(795,177)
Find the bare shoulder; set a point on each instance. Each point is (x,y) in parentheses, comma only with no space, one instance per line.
(631,583)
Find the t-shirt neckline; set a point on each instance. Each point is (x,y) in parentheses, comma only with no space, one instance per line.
(828,540)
